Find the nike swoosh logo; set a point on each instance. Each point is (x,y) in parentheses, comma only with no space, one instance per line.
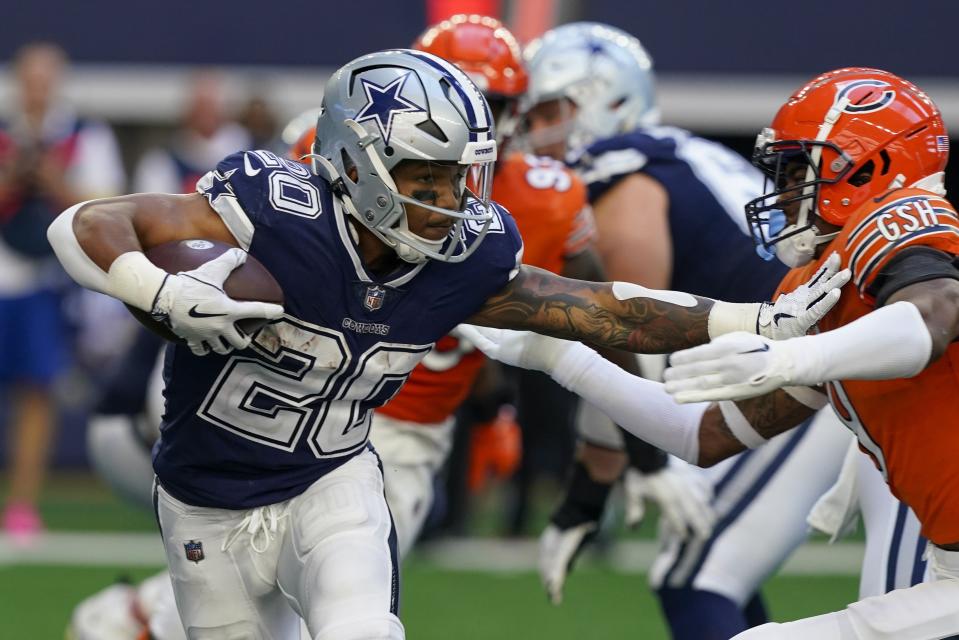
(781,315)
(247,167)
(761,349)
(193,313)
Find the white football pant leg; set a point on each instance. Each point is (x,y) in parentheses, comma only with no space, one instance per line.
(226,595)
(106,615)
(121,457)
(156,601)
(760,495)
(928,611)
(894,544)
(338,565)
(412,454)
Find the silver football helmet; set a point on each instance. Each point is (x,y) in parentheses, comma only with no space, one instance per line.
(396,105)
(602,70)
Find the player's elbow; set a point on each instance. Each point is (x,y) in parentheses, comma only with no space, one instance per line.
(943,326)
(940,313)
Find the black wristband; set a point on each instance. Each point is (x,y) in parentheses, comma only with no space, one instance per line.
(584,500)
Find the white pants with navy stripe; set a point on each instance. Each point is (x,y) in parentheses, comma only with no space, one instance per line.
(328,555)
(895,548)
(412,454)
(762,498)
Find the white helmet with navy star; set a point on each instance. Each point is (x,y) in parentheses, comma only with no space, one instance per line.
(603,70)
(397,105)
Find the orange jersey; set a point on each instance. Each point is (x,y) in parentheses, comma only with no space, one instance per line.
(549,205)
(910,427)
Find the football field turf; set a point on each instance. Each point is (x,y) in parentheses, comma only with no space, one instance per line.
(483,590)
(35,602)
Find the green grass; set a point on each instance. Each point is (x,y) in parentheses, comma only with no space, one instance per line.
(82,502)
(35,603)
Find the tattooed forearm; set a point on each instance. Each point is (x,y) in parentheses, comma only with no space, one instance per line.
(769,415)
(540,301)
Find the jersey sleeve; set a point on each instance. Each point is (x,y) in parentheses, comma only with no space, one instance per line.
(607,162)
(911,219)
(246,186)
(512,252)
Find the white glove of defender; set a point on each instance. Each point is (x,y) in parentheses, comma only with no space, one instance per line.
(737,366)
(200,312)
(682,495)
(523,349)
(793,313)
(557,550)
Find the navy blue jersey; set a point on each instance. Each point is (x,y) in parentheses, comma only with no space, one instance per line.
(708,185)
(259,426)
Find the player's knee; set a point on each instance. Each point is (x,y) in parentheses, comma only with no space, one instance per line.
(382,628)
(831,626)
(929,610)
(243,630)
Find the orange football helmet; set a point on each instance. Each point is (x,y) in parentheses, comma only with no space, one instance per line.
(855,133)
(489,54)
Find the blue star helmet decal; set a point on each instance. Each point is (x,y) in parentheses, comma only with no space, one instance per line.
(385,102)
(595,47)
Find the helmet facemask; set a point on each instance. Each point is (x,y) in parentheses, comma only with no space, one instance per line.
(389,222)
(401,106)
(792,239)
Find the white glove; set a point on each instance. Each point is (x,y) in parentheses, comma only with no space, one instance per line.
(737,366)
(682,495)
(794,313)
(557,550)
(197,309)
(523,349)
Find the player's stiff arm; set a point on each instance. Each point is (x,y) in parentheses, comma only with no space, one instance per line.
(886,352)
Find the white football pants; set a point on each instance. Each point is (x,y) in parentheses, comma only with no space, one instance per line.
(762,495)
(928,611)
(327,554)
(412,454)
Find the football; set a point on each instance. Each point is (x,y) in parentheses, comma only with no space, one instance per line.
(250,281)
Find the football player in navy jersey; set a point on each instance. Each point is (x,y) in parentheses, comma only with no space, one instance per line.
(269,498)
(668,208)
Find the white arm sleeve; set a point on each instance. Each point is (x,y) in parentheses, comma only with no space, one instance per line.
(890,342)
(72,256)
(640,406)
(132,278)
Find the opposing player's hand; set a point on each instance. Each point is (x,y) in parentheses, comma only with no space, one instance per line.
(736,366)
(523,349)
(682,495)
(793,313)
(572,525)
(558,548)
(197,309)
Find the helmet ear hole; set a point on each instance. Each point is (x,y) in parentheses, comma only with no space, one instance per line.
(863,175)
(349,167)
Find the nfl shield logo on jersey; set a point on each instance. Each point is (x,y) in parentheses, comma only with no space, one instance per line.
(374,297)
(194,551)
